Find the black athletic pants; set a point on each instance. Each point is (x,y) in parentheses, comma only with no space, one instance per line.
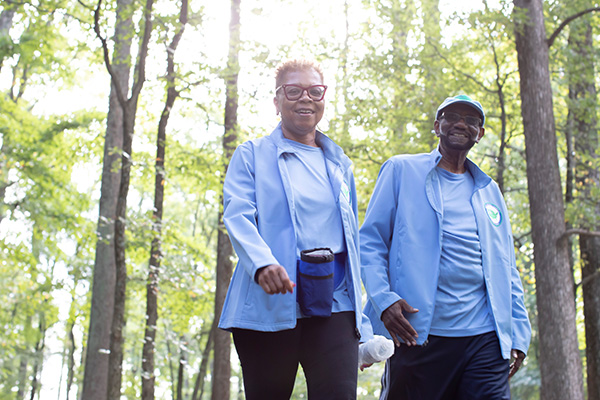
(448,368)
(327,349)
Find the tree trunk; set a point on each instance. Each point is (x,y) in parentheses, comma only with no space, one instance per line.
(222,345)
(199,385)
(560,364)
(129,107)
(582,110)
(102,378)
(70,359)
(6,21)
(95,381)
(181,368)
(22,377)
(148,377)
(38,357)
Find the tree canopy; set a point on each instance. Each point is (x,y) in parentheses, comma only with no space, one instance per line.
(388,64)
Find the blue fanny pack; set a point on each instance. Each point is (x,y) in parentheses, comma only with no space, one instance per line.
(319,272)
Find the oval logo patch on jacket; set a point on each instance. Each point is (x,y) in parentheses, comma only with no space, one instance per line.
(346,192)
(493,214)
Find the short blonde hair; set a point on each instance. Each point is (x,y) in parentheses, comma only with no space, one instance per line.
(295,65)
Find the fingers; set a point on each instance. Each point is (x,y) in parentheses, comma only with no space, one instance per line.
(400,329)
(363,366)
(514,367)
(275,280)
(518,357)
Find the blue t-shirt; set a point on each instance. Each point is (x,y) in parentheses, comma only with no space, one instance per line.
(461,306)
(318,220)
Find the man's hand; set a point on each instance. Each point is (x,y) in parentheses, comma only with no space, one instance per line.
(363,366)
(274,279)
(397,325)
(517,357)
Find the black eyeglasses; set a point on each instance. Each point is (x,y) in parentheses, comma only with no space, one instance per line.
(453,118)
(294,92)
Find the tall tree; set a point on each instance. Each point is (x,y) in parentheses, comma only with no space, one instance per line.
(152,286)
(222,340)
(102,375)
(554,291)
(582,121)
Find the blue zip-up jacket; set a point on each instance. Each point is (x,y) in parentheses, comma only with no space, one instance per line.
(401,241)
(258,201)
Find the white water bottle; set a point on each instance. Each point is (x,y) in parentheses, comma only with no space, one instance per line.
(375,350)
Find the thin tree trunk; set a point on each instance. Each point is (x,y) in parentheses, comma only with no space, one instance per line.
(199,385)
(181,368)
(221,386)
(6,20)
(129,108)
(70,360)
(38,357)
(95,381)
(148,377)
(560,364)
(22,377)
(171,372)
(102,379)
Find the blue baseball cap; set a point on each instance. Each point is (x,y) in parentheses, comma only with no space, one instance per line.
(461,99)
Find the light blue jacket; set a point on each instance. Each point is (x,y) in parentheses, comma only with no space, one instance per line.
(401,241)
(257,201)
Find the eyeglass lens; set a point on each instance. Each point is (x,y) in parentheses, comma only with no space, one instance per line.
(469,120)
(293,92)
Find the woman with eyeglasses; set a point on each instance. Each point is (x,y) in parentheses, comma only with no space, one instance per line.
(291,212)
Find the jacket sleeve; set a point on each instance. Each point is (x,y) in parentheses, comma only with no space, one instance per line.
(521,327)
(376,237)
(240,212)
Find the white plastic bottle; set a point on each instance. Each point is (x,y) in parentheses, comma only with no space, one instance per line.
(375,350)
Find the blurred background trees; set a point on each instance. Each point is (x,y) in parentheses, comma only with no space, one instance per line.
(388,64)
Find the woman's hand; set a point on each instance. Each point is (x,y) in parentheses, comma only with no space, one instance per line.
(274,279)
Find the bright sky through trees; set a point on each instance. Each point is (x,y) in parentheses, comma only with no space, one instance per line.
(267,27)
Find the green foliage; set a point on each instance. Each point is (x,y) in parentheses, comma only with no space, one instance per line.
(386,78)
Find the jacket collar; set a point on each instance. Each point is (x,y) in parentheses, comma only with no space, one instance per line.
(480,178)
(332,151)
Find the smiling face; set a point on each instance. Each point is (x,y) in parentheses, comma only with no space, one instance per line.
(458,136)
(299,118)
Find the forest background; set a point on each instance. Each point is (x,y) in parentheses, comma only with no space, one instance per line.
(117,120)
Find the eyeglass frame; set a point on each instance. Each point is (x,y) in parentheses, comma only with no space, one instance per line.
(463,117)
(304,89)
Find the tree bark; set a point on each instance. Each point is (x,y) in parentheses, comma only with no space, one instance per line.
(152,286)
(38,356)
(70,359)
(199,385)
(560,364)
(181,368)
(582,112)
(222,341)
(95,381)
(129,107)
(6,20)
(102,378)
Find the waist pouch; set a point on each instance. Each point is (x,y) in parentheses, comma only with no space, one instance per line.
(315,281)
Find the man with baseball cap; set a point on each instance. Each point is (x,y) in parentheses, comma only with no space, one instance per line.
(438,265)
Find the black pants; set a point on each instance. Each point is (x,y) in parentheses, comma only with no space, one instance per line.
(327,349)
(447,368)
